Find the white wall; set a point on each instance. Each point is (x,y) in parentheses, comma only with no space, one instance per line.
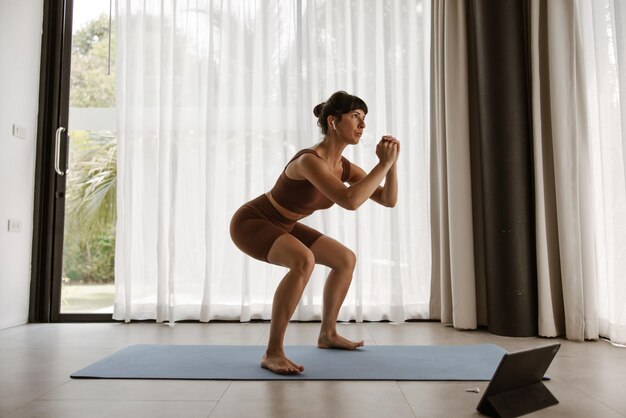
(20,52)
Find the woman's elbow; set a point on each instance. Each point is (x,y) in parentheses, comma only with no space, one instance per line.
(349,205)
(349,201)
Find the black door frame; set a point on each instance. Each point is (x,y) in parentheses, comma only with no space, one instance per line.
(49,202)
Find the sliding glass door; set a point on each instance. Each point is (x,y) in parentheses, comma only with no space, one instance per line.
(74,228)
(87,281)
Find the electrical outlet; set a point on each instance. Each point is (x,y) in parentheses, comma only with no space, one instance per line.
(19,131)
(15,225)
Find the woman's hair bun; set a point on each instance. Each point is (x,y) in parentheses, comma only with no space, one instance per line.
(338,104)
(317,110)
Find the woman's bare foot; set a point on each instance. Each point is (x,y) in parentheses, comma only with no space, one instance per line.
(334,340)
(280,364)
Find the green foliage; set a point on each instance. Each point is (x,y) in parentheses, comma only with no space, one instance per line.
(92,191)
(91,84)
(91,261)
(90,213)
(90,208)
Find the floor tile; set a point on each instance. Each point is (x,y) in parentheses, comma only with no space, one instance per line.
(308,333)
(442,399)
(118,335)
(117,409)
(603,379)
(574,403)
(313,399)
(428,333)
(54,364)
(140,390)
(15,394)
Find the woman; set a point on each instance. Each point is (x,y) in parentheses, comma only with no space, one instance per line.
(267,227)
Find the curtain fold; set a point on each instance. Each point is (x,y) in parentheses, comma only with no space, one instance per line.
(453,287)
(550,294)
(213,99)
(500,120)
(604,40)
(561,84)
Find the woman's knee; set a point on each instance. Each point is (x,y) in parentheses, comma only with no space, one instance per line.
(303,263)
(346,260)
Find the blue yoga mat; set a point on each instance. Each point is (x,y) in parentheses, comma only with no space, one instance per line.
(241,362)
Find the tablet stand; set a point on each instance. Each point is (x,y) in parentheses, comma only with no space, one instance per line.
(520,401)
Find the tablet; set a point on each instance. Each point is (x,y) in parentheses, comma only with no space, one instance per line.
(516,387)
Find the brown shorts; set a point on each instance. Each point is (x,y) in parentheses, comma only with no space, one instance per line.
(257,224)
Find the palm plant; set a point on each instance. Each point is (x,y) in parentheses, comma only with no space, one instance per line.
(93,183)
(89,242)
(90,208)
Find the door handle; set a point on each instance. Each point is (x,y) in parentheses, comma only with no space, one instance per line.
(57,152)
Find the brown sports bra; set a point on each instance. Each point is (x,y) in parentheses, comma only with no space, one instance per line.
(300,196)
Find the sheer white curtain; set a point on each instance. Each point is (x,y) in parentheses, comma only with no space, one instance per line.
(578,117)
(214,97)
(603,33)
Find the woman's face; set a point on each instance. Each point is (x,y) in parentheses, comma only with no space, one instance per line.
(351,126)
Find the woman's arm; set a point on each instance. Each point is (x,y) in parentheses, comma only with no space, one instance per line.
(316,171)
(387,195)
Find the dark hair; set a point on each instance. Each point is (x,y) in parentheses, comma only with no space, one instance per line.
(336,105)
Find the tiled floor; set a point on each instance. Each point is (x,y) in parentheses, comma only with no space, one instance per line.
(589,379)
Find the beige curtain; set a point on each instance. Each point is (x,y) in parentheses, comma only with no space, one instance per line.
(454,282)
(565,222)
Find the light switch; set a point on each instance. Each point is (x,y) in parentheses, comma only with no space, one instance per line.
(19,131)
(15,225)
